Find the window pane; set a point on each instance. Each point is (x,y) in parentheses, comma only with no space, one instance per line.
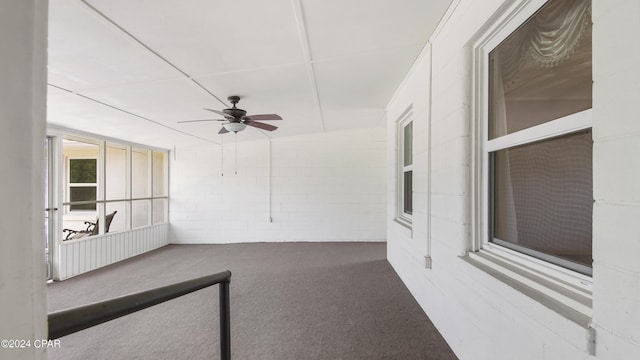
(542,72)
(119,220)
(140,213)
(81,168)
(82,193)
(159,210)
(408,192)
(408,144)
(159,174)
(116,173)
(83,171)
(79,222)
(543,197)
(139,173)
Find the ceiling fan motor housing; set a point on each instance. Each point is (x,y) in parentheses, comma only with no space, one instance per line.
(234,111)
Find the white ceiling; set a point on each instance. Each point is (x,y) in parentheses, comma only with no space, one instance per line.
(131,69)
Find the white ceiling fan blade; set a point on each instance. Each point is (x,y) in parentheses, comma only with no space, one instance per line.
(220,113)
(188,121)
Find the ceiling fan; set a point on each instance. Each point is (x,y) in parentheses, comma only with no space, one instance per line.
(237,119)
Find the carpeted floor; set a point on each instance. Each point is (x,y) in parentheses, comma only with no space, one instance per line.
(288,301)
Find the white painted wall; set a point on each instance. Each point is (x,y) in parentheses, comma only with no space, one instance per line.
(481,317)
(616,178)
(324,187)
(22,132)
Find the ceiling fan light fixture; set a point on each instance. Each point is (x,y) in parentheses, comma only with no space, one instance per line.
(237,120)
(234,126)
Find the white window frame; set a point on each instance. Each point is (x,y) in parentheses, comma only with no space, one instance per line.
(103,143)
(567,288)
(403,217)
(70,184)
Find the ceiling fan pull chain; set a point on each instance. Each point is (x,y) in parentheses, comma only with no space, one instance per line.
(221,155)
(236,152)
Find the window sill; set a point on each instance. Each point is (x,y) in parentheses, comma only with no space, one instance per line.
(568,296)
(404,222)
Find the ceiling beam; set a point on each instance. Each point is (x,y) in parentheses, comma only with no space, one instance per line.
(130,113)
(132,37)
(306,52)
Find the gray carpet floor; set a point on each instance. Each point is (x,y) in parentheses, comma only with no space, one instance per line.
(288,301)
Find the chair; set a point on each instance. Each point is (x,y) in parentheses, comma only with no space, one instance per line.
(92,228)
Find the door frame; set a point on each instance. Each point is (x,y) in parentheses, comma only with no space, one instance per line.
(52,205)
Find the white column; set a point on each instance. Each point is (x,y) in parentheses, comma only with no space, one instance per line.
(23,29)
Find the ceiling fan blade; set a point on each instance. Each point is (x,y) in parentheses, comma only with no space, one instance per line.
(223,130)
(220,113)
(188,121)
(262,126)
(263,117)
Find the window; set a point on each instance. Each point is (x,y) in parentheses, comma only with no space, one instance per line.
(83,184)
(106,178)
(536,139)
(160,203)
(81,176)
(116,185)
(405,169)
(140,187)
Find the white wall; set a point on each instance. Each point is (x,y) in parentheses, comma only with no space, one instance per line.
(616,178)
(411,98)
(22,132)
(324,187)
(480,316)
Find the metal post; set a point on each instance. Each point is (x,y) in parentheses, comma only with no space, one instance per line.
(225,322)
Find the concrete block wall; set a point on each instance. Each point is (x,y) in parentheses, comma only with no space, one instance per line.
(321,187)
(412,93)
(616,180)
(480,316)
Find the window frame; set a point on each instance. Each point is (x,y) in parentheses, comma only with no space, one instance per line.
(70,185)
(566,125)
(568,288)
(403,216)
(102,200)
